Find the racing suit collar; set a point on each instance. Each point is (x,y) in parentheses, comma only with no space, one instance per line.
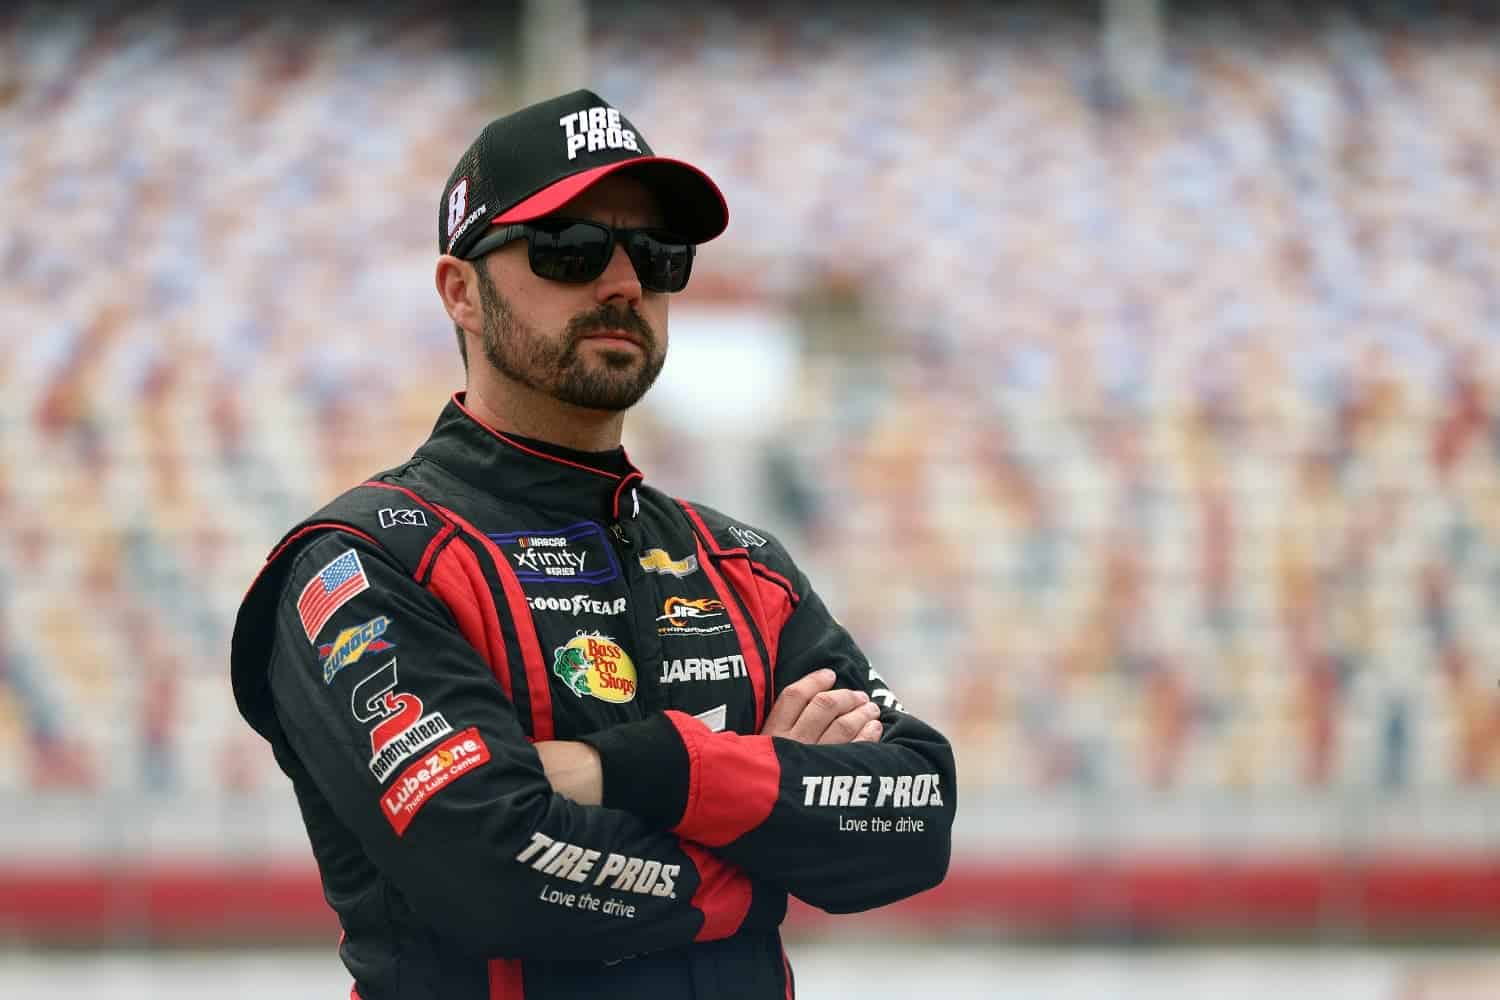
(488,459)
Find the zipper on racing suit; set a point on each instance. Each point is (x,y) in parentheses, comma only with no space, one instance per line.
(628,545)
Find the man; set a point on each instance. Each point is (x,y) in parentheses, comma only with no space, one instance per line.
(552,732)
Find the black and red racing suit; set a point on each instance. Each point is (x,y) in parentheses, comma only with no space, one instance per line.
(403,649)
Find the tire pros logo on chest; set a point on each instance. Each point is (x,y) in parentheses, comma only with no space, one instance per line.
(594,664)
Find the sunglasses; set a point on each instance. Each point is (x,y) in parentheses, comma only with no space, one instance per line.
(576,250)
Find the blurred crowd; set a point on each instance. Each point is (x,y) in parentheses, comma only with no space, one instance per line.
(1162,455)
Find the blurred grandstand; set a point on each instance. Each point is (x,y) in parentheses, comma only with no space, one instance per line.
(1164,417)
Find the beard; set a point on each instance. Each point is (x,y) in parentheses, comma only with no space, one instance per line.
(554,367)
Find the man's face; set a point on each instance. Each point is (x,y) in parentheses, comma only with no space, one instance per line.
(598,345)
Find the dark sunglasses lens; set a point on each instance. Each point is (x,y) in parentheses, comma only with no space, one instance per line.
(575,252)
(662,261)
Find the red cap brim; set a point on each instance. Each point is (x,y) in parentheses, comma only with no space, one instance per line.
(693,204)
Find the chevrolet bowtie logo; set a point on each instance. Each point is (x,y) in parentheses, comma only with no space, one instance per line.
(657,561)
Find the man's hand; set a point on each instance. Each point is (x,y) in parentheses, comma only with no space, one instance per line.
(573,770)
(808,711)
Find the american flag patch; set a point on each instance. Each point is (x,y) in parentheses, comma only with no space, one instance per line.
(330,590)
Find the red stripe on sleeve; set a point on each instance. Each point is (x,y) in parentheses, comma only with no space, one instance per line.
(441,536)
(723,895)
(506,982)
(759,569)
(781,582)
(520,613)
(768,602)
(703,532)
(786,970)
(431,550)
(753,665)
(459,583)
(718,812)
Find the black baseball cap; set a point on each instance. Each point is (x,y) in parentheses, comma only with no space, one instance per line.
(527,164)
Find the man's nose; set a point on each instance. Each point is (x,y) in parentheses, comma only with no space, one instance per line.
(619,279)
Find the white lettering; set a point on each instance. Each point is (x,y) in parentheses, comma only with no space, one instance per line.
(535,560)
(564,861)
(458,200)
(693,668)
(469,221)
(853,791)
(646,880)
(626,879)
(556,896)
(538,842)
(578,604)
(585,865)
(577,864)
(594,129)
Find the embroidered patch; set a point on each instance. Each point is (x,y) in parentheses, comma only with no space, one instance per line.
(595,665)
(353,643)
(333,587)
(576,554)
(454,757)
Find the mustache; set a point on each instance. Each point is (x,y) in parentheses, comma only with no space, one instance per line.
(609,317)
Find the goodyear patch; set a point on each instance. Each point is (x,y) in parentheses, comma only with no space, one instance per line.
(352,643)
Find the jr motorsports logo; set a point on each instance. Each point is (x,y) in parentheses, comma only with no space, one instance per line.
(576,554)
(593,664)
(692,616)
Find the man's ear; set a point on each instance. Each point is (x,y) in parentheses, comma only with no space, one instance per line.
(457,287)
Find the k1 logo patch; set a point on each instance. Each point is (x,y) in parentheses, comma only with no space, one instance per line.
(576,554)
(412,516)
(747,537)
